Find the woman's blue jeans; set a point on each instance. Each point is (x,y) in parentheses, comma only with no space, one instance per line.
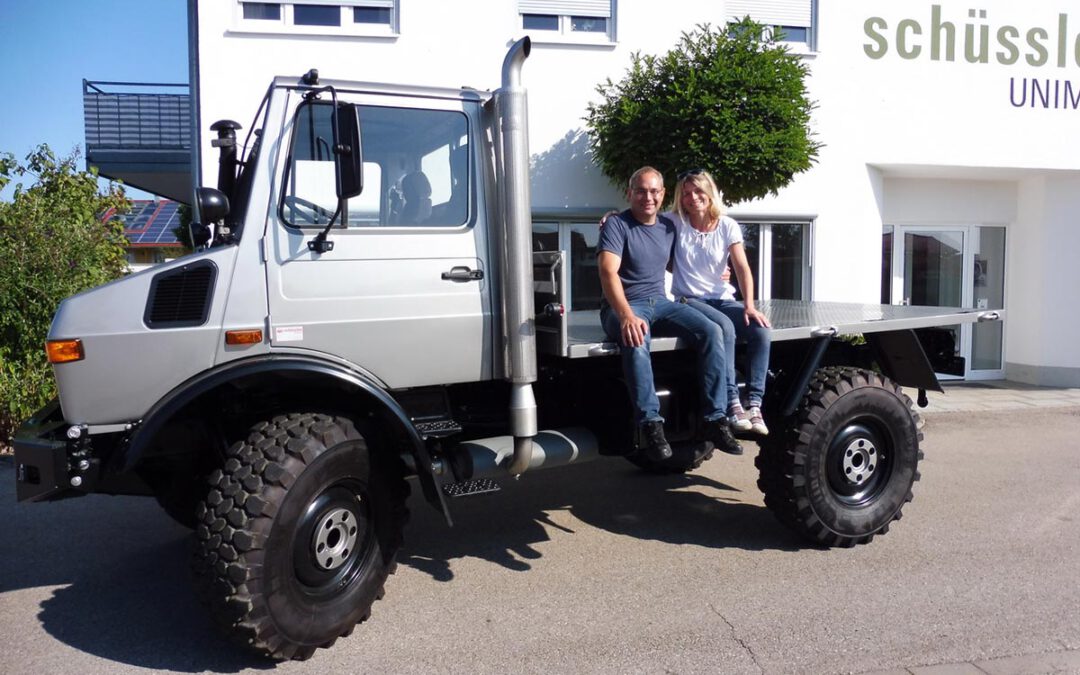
(728,314)
(670,319)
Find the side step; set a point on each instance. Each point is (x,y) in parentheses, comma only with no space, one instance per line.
(468,488)
(438,428)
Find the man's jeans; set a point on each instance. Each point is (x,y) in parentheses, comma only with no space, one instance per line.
(670,319)
(728,314)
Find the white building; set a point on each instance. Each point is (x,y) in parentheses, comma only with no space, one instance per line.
(950,172)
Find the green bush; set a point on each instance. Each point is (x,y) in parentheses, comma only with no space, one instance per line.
(53,244)
(730,100)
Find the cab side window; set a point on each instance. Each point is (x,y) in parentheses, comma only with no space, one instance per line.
(416,169)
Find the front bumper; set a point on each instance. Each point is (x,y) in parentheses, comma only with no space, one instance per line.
(46,462)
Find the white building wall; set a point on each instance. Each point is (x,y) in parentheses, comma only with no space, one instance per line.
(907,137)
(1044,327)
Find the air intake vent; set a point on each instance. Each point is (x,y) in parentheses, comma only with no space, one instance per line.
(181,297)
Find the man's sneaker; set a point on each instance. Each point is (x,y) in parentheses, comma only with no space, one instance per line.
(757,422)
(719,434)
(656,446)
(739,419)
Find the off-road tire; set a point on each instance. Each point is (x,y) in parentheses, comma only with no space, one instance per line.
(841,471)
(685,457)
(255,562)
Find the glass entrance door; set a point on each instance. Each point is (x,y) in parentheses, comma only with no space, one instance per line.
(988,292)
(933,274)
(959,266)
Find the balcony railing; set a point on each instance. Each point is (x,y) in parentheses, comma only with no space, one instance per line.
(136,116)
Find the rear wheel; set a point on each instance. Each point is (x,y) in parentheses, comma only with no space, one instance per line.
(298,534)
(844,469)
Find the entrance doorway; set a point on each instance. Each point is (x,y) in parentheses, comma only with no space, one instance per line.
(951,266)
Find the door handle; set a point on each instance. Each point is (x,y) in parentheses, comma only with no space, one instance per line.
(463,274)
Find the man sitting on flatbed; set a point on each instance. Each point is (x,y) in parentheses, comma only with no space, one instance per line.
(633,253)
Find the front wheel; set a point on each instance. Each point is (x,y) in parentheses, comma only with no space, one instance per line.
(844,469)
(298,534)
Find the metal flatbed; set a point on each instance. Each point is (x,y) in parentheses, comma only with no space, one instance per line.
(790,319)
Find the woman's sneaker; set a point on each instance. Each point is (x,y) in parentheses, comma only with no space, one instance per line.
(757,422)
(739,419)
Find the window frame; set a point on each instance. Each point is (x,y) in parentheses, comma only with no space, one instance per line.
(564,228)
(347,25)
(343,224)
(809,46)
(564,34)
(763,278)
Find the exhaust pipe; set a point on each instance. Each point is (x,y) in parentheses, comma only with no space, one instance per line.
(488,457)
(516,272)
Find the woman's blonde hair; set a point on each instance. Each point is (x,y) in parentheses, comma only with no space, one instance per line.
(706,184)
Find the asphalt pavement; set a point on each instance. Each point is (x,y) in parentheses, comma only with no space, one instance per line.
(604,569)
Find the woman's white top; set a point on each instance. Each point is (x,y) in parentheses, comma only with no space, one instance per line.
(701,257)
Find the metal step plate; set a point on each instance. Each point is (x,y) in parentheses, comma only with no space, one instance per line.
(438,429)
(469,488)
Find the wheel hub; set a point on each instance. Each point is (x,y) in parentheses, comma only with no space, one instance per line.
(860,461)
(334,538)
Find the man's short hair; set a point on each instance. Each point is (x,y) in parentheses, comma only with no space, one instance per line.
(641,172)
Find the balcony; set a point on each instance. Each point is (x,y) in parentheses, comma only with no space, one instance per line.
(140,133)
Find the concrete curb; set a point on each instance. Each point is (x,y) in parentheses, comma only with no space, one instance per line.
(995,396)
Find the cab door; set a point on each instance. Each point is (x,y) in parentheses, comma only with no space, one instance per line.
(405,291)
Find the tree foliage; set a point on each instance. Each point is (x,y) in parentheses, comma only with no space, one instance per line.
(730,100)
(54,242)
(182,232)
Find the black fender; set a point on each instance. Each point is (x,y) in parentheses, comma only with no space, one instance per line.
(176,400)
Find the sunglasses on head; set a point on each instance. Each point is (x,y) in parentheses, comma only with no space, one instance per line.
(692,172)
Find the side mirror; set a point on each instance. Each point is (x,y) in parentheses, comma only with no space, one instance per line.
(213,204)
(348,155)
(213,207)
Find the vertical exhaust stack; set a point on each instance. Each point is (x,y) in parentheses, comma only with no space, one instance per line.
(517,286)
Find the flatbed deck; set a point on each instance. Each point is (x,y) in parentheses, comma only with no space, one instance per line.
(790,319)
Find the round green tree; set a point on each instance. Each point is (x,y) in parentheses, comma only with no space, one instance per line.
(732,101)
(54,242)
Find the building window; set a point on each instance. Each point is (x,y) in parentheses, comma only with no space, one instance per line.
(779,257)
(373,15)
(317,15)
(581,21)
(579,240)
(262,11)
(320,17)
(792,21)
(778,253)
(540,21)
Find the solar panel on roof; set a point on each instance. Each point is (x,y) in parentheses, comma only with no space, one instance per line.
(151,222)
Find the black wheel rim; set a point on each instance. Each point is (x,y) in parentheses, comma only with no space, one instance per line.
(333,539)
(859,462)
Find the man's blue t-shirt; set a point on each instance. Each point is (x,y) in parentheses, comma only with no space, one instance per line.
(644,250)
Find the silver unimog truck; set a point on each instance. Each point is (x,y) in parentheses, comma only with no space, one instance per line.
(368,307)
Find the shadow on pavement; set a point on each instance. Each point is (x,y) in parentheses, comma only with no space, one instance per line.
(120,564)
(608,494)
(120,568)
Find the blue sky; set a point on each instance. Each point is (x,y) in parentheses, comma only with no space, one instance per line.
(48,47)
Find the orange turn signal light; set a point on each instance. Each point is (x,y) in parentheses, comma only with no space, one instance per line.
(243,337)
(63,351)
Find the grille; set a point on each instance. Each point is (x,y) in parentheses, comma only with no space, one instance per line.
(181,297)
